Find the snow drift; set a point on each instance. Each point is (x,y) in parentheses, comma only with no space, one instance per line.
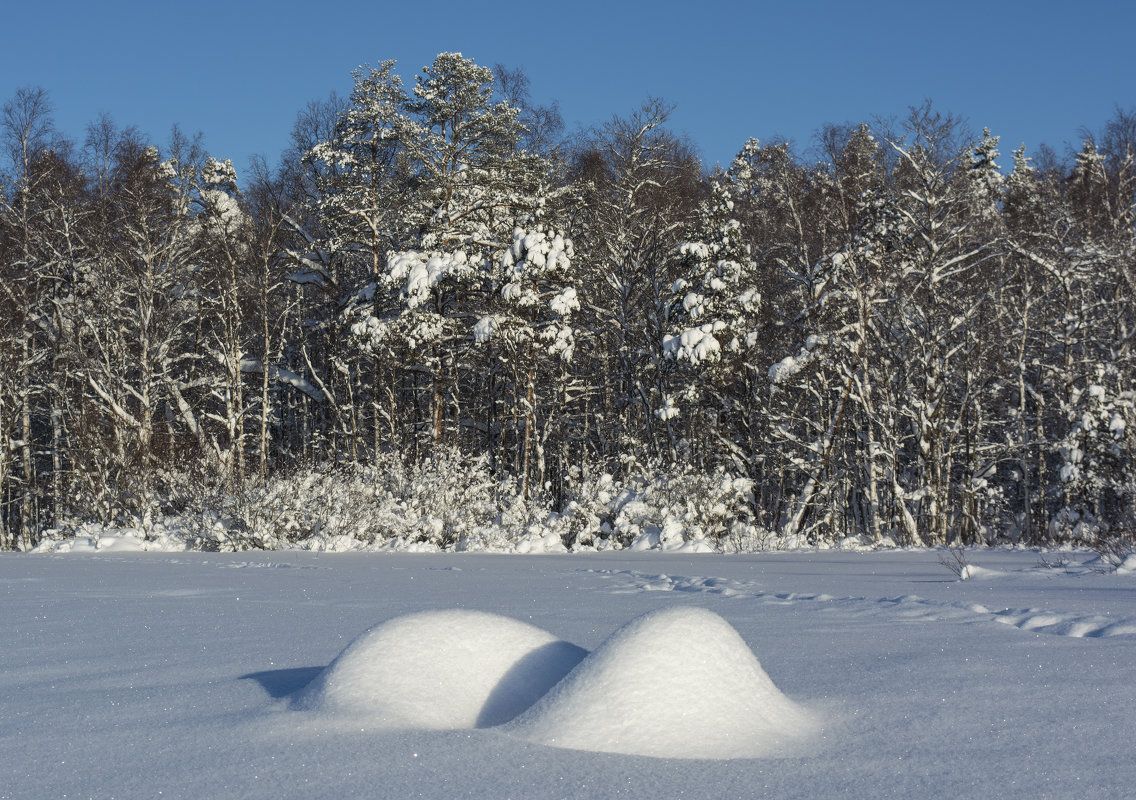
(438,670)
(675,683)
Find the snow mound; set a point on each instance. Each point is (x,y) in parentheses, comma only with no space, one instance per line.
(973,572)
(539,543)
(440,670)
(96,538)
(675,683)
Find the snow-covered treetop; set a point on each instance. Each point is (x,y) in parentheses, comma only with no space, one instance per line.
(425,191)
(533,300)
(219,193)
(450,88)
(219,175)
(716,301)
(986,180)
(1089,164)
(419,273)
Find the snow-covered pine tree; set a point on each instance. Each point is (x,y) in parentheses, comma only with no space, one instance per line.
(224,247)
(353,219)
(529,329)
(1029,306)
(714,328)
(810,298)
(987,184)
(1091,200)
(1098,455)
(456,182)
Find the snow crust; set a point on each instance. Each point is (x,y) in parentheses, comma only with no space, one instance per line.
(439,670)
(138,675)
(678,682)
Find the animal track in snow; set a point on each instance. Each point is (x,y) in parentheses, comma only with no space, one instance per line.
(904,606)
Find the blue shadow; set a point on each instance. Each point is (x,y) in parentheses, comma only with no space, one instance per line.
(283,682)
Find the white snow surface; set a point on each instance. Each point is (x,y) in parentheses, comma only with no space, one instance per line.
(438,670)
(678,682)
(175,675)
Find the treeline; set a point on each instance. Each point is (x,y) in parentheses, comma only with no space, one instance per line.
(896,338)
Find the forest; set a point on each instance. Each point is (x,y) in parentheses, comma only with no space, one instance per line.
(443,316)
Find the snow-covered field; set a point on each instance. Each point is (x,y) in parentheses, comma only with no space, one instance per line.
(190,675)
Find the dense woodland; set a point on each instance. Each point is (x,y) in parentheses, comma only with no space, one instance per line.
(900,334)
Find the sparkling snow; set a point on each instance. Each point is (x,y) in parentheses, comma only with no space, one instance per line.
(438,670)
(675,683)
(172,675)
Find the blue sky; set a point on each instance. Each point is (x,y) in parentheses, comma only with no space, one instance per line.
(239,71)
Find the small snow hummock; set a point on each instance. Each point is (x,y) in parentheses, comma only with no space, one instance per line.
(441,670)
(970,572)
(675,683)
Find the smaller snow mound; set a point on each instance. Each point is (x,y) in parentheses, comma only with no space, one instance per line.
(675,683)
(441,670)
(92,544)
(1127,566)
(1079,627)
(538,543)
(973,572)
(97,538)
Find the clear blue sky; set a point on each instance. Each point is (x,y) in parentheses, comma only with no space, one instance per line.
(239,71)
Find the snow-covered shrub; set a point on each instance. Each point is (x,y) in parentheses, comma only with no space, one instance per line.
(453,501)
(441,500)
(436,503)
(210,514)
(749,537)
(584,522)
(1116,551)
(954,559)
(673,507)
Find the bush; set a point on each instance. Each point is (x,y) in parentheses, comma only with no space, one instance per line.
(665,507)
(452,501)
(435,503)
